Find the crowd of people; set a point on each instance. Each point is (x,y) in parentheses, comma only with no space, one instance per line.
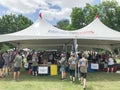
(13,61)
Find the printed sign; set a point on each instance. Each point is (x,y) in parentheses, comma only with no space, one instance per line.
(42,70)
(94,66)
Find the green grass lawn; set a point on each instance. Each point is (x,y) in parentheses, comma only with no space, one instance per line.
(95,81)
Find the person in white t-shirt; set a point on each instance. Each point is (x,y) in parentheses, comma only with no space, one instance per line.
(110,64)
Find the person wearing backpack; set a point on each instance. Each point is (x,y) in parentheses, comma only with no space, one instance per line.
(17,66)
(63,66)
(72,65)
(83,64)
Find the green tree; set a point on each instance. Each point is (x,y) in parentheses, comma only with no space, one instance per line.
(11,23)
(90,12)
(117,23)
(63,24)
(77,18)
(110,12)
(70,27)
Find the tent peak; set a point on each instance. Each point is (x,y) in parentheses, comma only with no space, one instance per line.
(40,15)
(97,16)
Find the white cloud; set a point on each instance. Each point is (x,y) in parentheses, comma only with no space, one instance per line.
(66,8)
(20,6)
(51,14)
(30,6)
(69,3)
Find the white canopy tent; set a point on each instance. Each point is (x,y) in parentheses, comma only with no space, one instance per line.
(43,35)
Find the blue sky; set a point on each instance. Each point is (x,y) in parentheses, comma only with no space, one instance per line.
(52,10)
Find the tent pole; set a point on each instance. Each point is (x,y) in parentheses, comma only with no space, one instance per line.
(65,49)
(18,46)
(76,50)
(118,50)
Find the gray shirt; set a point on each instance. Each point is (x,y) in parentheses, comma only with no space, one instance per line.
(18,61)
(83,65)
(72,62)
(63,62)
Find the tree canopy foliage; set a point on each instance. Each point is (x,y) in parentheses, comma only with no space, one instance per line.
(12,23)
(108,12)
(62,24)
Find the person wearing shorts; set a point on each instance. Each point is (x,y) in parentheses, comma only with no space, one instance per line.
(63,66)
(83,64)
(35,64)
(72,63)
(17,66)
(110,64)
